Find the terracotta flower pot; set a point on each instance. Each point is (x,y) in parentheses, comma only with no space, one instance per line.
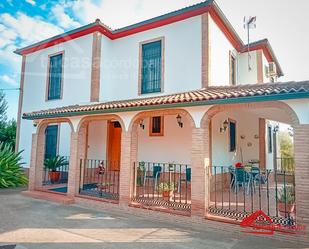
(166,193)
(54,176)
(285,209)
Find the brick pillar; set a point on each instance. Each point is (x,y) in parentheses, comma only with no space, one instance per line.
(301,153)
(37,160)
(34,146)
(73,180)
(128,156)
(200,155)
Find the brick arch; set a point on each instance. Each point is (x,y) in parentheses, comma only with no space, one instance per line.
(86,119)
(145,114)
(43,124)
(273,104)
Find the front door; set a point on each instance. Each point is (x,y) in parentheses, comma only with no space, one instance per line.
(114,145)
(51,140)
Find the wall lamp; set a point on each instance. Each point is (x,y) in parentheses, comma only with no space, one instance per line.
(224,126)
(179,121)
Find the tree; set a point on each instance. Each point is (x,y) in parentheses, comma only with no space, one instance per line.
(8,133)
(286,145)
(7,129)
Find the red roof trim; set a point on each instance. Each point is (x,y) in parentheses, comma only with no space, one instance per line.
(234,40)
(162,22)
(212,9)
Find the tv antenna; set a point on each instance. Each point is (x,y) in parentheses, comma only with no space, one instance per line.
(249,23)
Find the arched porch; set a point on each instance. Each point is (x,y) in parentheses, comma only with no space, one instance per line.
(245,172)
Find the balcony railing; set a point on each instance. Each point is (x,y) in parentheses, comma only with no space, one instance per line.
(164,185)
(286,164)
(99,178)
(238,192)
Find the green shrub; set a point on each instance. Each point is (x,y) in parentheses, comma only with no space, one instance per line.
(165,186)
(286,195)
(11,173)
(54,163)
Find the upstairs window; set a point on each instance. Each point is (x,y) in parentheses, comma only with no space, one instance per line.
(232,135)
(232,70)
(156,126)
(151,68)
(55,77)
(51,141)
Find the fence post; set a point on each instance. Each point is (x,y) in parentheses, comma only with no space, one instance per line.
(128,157)
(301,153)
(200,155)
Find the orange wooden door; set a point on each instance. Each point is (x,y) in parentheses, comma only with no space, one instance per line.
(114,145)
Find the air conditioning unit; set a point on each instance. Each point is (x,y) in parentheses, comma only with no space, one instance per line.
(271,70)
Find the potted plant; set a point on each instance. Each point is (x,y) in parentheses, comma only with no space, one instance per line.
(52,164)
(140,173)
(286,200)
(166,189)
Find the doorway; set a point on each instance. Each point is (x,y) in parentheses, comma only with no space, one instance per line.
(114,145)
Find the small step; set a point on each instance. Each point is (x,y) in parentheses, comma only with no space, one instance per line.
(47,196)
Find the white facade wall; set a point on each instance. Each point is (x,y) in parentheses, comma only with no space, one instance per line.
(174,146)
(76,83)
(244,75)
(97,140)
(220,49)
(265,65)
(247,124)
(182,60)
(64,139)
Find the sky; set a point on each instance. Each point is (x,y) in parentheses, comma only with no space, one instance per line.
(24,22)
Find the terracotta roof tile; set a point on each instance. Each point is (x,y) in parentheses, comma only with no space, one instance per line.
(206,94)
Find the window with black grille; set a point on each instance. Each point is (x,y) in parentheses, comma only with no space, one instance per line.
(151,67)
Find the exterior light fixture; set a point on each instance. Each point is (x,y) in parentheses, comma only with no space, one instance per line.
(276,128)
(224,126)
(141,124)
(179,121)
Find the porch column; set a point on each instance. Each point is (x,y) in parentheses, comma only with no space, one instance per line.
(73,166)
(31,185)
(36,161)
(301,153)
(128,156)
(200,155)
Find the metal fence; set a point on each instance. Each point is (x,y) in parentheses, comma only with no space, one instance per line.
(164,185)
(286,164)
(58,176)
(238,192)
(99,178)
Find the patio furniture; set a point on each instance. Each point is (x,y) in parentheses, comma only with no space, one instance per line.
(232,172)
(186,179)
(240,178)
(156,171)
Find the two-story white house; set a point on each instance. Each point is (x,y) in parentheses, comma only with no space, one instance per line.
(169,103)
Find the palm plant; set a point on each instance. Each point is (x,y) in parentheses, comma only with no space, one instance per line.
(11,172)
(53,163)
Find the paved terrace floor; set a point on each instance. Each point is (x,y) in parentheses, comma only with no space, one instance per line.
(32,223)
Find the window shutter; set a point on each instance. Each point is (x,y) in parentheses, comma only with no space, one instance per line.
(232,136)
(51,141)
(55,76)
(151,67)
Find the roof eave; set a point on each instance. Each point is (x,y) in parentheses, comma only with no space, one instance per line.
(248,99)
